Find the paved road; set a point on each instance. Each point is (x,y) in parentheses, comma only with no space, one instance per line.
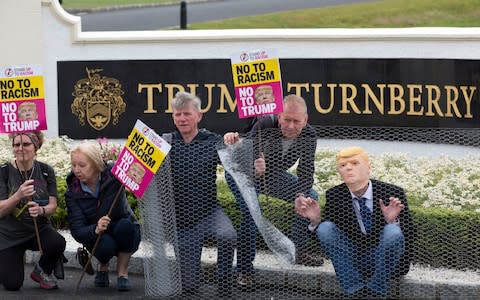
(31,291)
(152,18)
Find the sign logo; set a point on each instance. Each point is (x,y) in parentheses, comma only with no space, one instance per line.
(244,56)
(8,72)
(98,99)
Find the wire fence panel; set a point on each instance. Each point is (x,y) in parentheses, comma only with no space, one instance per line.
(214,227)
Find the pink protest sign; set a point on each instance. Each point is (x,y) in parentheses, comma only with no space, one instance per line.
(140,159)
(132,173)
(22,99)
(257,82)
(258,100)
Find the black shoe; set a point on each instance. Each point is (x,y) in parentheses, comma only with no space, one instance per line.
(308,259)
(101,279)
(123,284)
(246,281)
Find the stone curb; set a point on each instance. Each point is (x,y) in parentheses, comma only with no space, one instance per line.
(270,274)
(313,280)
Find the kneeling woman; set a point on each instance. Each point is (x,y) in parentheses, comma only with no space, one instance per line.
(25,184)
(91,189)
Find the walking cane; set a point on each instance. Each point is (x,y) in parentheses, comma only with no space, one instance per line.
(97,241)
(37,233)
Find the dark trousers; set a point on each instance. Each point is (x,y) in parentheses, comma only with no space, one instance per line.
(11,259)
(216,225)
(123,236)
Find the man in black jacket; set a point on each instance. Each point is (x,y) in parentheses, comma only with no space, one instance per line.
(280,143)
(366,229)
(199,216)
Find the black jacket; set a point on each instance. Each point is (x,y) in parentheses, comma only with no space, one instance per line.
(194,174)
(339,210)
(269,140)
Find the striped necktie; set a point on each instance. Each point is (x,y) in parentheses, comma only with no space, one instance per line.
(365,213)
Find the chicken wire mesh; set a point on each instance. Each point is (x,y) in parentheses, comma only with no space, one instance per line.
(162,274)
(192,205)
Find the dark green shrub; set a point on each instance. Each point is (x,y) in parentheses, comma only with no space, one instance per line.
(447,238)
(59,219)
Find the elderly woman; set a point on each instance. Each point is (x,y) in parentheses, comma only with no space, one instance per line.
(28,190)
(91,190)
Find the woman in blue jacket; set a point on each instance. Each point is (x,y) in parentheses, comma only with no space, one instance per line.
(91,190)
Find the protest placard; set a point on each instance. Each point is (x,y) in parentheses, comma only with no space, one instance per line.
(140,159)
(22,99)
(258,84)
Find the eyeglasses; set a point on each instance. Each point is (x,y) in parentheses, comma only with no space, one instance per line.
(24,145)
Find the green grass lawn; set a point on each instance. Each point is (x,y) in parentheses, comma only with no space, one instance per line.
(387,13)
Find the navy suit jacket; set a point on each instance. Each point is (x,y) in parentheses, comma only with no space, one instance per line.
(339,210)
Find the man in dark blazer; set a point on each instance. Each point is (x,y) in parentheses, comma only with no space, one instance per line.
(279,143)
(366,229)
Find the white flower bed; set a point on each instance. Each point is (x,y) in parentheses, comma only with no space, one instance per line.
(441,181)
(56,152)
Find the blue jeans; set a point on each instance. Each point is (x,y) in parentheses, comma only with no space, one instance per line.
(124,236)
(247,233)
(351,265)
(216,225)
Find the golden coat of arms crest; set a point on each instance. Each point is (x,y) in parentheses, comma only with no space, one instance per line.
(98,99)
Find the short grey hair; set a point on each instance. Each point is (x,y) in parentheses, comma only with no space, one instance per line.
(92,151)
(182,99)
(297,100)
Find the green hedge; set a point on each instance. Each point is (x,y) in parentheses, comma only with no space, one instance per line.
(59,219)
(446,238)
